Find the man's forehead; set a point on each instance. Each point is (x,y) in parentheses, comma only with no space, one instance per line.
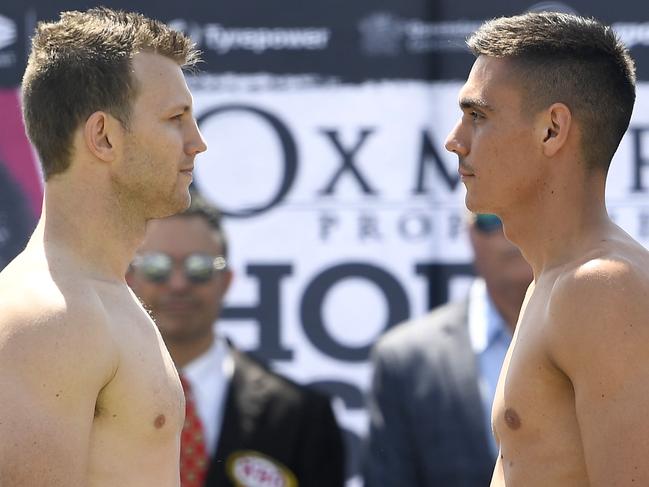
(490,78)
(160,81)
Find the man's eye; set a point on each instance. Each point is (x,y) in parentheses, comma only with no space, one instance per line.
(475,115)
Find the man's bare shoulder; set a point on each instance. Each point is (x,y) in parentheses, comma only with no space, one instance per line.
(595,330)
(605,276)
(600,301)
(56,356)
(40,312)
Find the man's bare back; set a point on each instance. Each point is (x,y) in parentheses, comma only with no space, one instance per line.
(569,387)
(87,406)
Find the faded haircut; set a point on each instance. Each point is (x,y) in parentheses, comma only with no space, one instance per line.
(81,64)
(573,60)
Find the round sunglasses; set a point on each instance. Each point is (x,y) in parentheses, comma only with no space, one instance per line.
(198,268)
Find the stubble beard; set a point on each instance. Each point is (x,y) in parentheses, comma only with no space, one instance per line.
(139,191)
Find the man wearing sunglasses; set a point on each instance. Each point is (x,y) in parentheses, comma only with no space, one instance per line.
(435,377)
(250,421)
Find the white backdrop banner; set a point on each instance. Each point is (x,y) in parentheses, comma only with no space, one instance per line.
(345,215)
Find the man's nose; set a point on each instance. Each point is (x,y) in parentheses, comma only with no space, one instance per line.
(195,143)
(177,279)
(455,143)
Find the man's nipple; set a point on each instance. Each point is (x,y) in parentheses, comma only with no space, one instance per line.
(159,421)
(512,420)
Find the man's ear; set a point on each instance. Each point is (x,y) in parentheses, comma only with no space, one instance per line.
(557,123)
(101,132)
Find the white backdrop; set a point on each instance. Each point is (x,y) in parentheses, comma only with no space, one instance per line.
(358,203)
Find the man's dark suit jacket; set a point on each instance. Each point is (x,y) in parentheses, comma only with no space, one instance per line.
(284,422)
(427,424)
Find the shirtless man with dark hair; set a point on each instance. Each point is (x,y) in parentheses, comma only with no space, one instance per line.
(89,394)
(544,108)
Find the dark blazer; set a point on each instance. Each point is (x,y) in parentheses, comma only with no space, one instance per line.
(268,416)
(427,426)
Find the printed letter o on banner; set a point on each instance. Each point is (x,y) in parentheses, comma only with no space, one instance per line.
(289,150)
(313,298)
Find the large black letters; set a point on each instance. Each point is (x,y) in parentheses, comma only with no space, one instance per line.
(289,150)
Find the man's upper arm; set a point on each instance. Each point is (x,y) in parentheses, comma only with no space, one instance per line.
(603,321)
(52,367)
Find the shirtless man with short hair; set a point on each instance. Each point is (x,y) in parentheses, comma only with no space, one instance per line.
(89,394)
(545,106)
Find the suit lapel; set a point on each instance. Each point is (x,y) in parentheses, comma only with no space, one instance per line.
(244,405)
(250,390)
(247,395)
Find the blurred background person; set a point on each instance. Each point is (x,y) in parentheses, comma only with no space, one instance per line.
(16,220)
(244,423)
(435,377)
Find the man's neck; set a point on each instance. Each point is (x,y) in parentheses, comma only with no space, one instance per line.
(89,230)
(560,224)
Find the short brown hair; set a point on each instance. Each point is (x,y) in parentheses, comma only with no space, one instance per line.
(573,60)
(82,63)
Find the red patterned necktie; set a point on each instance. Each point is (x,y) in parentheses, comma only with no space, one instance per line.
(193,455)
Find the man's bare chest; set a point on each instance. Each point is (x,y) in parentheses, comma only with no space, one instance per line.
(530,386)
(533,414)
(144,397)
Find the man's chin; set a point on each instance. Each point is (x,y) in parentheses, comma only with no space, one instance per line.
(474,205)
(470,204)
(174,204)
(185,200)
(180,200)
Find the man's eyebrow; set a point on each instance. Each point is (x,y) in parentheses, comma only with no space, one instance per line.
(468,103)
(180,107)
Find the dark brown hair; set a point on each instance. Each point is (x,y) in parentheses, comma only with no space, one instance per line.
(573,60)
(81,64)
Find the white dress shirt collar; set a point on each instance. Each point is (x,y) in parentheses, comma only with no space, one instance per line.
(485,322)
(209,376)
